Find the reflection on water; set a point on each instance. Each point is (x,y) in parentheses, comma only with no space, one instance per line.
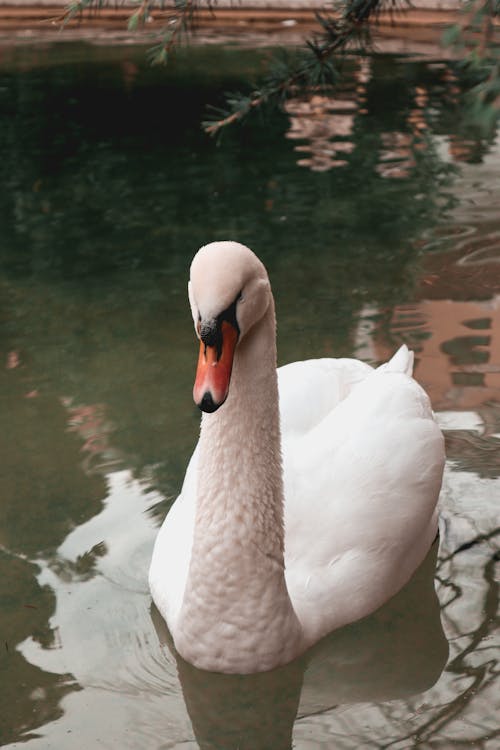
(327,122)
(399,651)
(104,203)
(332,124)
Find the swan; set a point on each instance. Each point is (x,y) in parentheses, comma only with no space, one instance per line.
(311,496)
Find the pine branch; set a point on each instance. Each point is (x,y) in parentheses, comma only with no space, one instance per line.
(141,16)
(318,66)
(77,8)
(179,20)
(179,23)
(475,29)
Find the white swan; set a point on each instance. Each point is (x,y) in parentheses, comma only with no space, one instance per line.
(257,560)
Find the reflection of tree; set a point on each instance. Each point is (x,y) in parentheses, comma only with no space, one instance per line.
(473,452)
(468,142)
(29,696)
(459,710)
(472,679)
(44,494)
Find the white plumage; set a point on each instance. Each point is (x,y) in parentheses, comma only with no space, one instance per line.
(298,513)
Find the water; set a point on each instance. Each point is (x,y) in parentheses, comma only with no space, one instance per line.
(376,212)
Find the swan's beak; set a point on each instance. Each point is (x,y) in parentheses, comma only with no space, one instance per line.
(215,363)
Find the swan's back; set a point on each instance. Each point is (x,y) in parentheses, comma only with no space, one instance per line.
(361,486)
(311,389)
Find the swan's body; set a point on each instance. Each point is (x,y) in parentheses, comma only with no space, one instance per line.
(257,560)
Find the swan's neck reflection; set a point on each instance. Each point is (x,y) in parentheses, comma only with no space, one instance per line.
(396,652)
(249,712)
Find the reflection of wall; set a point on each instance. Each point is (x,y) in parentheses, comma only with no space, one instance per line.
(322,121)
(326,122)
(454,323)
(462,146)
(396,158)
(29,696)
(397,155)
(457,346)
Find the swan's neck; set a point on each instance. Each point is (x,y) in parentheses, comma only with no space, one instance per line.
(236,613)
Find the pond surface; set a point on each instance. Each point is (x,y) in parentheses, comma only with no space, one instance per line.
(377,212)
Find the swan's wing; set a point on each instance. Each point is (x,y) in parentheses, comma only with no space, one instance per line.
(361,489)
(311,389)
(172,550)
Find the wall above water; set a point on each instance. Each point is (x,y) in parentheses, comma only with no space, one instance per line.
(414,30)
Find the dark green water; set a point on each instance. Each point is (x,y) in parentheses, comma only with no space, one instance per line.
(108,188)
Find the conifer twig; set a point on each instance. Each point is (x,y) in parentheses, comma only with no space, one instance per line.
(346,30)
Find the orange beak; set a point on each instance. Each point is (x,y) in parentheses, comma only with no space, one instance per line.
(213,373)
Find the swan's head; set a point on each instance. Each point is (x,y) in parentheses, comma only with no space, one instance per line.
(229,292)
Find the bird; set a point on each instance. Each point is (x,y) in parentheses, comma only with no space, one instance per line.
(311,496)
